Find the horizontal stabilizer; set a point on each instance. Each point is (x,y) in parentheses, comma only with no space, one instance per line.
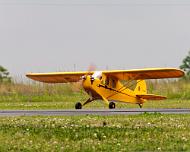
(151,97)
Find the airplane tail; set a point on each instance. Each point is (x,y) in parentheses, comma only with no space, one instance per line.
(141,92)
(141,87)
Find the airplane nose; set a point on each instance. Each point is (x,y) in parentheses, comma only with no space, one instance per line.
(84,77)
(92,78)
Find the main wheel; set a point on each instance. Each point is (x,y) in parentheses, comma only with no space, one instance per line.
(78,105)
(111,105)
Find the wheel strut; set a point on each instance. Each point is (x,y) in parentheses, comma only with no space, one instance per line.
(140,105)
(78,105)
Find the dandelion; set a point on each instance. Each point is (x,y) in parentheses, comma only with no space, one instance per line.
(104,136)
(118,144)
(95,135)
(184,139)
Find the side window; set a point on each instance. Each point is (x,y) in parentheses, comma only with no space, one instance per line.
(107,81)
(113,83)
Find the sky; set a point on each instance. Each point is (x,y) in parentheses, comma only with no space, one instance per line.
(68,35)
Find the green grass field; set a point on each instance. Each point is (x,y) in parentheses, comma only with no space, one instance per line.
(145,132)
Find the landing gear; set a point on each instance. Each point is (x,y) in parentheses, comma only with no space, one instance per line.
(140,105)
(78,105)
(111,105)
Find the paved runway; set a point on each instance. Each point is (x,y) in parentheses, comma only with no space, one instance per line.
(73,112)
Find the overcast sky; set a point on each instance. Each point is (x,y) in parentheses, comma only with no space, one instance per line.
(55,35)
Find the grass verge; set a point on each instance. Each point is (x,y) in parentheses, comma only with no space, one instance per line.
(146,132)
(94,105)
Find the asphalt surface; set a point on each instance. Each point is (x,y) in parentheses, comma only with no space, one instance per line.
(74,112)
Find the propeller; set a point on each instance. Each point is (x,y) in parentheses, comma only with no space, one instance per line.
(78,85)
(92,67)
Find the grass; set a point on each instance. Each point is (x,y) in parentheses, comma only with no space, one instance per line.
(146,132)
(64,96)
(173,89)
(95,105)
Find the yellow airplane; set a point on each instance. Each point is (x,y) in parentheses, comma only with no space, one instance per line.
(107,85)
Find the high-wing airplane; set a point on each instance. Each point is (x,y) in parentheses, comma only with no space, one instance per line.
(107,85)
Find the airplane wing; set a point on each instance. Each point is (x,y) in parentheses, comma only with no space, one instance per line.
(149,73)
(57,77)
(137,74)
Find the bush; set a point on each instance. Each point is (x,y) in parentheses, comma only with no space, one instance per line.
(4,75)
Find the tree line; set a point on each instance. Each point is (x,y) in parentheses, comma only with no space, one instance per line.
(4,75)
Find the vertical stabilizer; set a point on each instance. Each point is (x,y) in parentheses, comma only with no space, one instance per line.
(141,87)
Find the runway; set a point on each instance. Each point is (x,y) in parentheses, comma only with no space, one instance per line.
(73,112)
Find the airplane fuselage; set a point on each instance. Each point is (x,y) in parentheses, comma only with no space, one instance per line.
(112,90)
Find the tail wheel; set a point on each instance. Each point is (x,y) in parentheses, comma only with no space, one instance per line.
(78,105)
(111,105)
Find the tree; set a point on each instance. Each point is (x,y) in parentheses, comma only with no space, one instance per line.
(4,75)
(186,64)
